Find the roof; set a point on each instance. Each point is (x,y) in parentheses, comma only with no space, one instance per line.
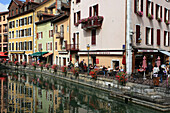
(5,12)
(52,5)
(43,21)
(17,2)
(59,18)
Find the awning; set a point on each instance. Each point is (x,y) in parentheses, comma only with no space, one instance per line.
(38,54)
(15,52)
(48,54)
(165,52)
(3,54)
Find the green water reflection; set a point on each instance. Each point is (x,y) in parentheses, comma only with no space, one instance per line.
(34,93)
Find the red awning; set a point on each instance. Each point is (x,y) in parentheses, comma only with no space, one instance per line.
(3,54)
(124,60)
(48,54)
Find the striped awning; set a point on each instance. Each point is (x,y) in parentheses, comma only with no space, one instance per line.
(48,54)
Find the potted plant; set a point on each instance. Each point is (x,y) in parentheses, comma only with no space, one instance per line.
(75,71)
(41,66)
(93,74)
(150,16)
(121,77)
(64,70)
(167,22)
(159,19)
(47,66)
(54,67)
(140,13)
(34,65)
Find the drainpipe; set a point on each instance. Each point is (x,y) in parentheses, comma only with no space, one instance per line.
(33,32)
(128,39)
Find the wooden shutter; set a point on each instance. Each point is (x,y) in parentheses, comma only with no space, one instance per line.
(164,38)
(135,6)
(158,37)
(156,11)
(97,9)
(164,15)
(41,34)
(37,35)
(55,45)
(90,11)
(142,5)
(46,46)
(152,6)
(137,33)
(147,8)
(30,19)
(50,45)
(19,22)
(152,36)
(93,37)
(74,36)
(168,15)
(74,18)
(146,39)
(161,11)
(168,38)
(52,32)
(66,44)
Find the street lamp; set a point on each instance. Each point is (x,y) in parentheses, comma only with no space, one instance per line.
(41,54)
(88,48)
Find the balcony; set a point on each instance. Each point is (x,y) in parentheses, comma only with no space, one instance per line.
(72,47)
(91,22)
(60,35)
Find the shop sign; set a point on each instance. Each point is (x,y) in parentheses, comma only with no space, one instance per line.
(147,50)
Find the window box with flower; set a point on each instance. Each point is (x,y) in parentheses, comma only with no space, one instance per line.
(140,13)
(150,16)
(159,19)
(167,22)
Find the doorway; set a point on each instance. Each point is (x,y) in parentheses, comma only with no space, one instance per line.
(114,64)
(64,61)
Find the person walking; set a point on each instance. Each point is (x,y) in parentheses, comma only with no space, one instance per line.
(150,69)
(160,73)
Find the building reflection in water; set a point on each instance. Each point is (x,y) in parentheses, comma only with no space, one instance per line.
(38,94)
(4,93)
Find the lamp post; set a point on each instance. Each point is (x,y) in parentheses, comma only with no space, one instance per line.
(88,48)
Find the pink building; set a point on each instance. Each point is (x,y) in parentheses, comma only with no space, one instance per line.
(150,21)
(101,24)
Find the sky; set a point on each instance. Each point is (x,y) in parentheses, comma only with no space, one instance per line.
(4,4)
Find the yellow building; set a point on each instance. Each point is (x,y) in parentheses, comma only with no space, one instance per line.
(61,41)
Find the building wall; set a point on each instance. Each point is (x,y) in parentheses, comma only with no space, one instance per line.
(45,27)
(4,45)
(144,22)
(111,36)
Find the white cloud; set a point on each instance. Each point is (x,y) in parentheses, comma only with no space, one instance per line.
(3,7)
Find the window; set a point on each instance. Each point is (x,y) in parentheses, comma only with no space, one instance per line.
(12,45)
(166,15)
(55,45)
(16,45)
(51,11)
(25,45)
(30,45)
(30,20)
(51,46)
(149,36)
(77,1)
(25,21)
(12,34)
(56,29)
(13,24)
(137,33)
(50,33)
(21,22)
(4,18)
(158,37)
(166,38)
(39,47)
(149,9)
(29,31)
(93,41)
(40,35)
(16,33)
(25,32)
(20,45)
(16,10)
(0,18)
(159,13)
(22,33)
(9,46)
(77,17)
(138,7)
(16,23)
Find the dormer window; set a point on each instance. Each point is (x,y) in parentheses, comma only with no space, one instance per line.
(138,8)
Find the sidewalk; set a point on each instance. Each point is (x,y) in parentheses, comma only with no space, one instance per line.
(154,97)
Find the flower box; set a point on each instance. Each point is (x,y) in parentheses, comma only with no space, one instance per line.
(150,16)
(167,22)
(159,19)
(140,13)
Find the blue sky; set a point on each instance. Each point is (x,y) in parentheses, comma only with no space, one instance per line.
(4,4)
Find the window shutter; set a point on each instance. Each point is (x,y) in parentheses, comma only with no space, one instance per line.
(52,32)
(30,19)
(66,44)
(146,39)
(74,18)
(156,11)
(135,6)
(168,15)
(93,37)
(152,8)
(49,34)
(164,38)
(46,46)
(161,11)
(90,11)
(97,9)
(168,38)
(164,15)
(55,45)
(137,33)
(158,37)
(37,35)
(74,36)
(50,45)
(146,8)
(142,5)
(152,36)
(19,22)
(41,34)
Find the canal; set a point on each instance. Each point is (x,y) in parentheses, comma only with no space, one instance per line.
(37,93)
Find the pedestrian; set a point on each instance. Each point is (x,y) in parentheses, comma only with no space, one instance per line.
(155,71)
(76,64)
(104,70)
(160,73)
(150,69)
(121,69)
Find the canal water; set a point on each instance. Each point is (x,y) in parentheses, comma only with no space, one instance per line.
(37,93)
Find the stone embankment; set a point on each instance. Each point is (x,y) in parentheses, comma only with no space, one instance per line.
(154,97)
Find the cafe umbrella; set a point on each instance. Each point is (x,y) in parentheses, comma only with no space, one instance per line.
(144,66)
